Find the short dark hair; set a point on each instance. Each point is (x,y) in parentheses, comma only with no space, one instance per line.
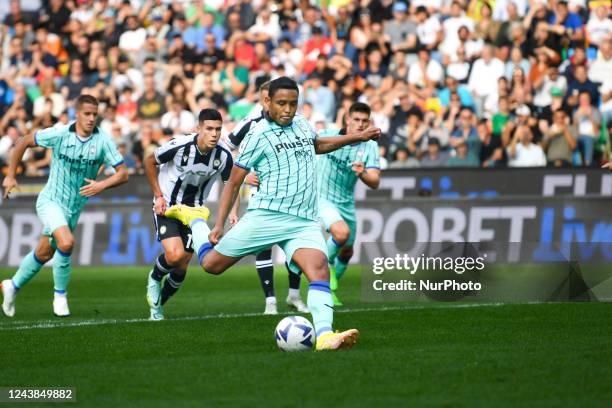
(83,99)
(209,114)
(360,107)
(282,83)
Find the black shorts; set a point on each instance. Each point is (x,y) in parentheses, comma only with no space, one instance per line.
(169,228)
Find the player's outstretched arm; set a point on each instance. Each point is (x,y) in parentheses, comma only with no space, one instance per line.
(150,168)
(329,144)
(370,176)
(228,196)
(9,183)
(96,187)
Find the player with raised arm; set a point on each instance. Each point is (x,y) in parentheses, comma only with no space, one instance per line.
(188,167)
(263,260)
(284,211)
(80,149)
(337,175)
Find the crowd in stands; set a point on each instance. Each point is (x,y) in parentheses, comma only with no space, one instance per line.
(470,83)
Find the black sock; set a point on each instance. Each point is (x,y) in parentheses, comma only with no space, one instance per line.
(265,270)
(161,268)
(294,279)
(172,285)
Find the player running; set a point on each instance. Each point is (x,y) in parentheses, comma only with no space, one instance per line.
(284,211)
(263,260)
(80,150)
(188,167)
(337,174)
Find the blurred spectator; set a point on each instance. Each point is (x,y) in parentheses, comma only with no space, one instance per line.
(401,31)
(483,77)
(544,85)
(434,157)
(178,119)
(582,84)
(7,142)
(522,152)
(462,158)
(425,72)
(601,69)
(491,151)
(559,142)
(587,119)
(402,160)
(599,25)
(151,103)
(320,97)
(384,163)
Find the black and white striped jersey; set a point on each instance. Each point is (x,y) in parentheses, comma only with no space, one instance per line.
(242,128)
(186,175)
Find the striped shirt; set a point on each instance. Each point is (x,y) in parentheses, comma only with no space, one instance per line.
(335,178)
(284,159)
(242,128)
(186,174)
(73,160)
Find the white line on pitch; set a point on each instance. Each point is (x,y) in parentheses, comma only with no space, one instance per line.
(50,324)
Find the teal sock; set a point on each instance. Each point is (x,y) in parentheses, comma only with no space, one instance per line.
(28,268)
(62,266)
(321,306)
(340,268)
(199,235)
(332,249)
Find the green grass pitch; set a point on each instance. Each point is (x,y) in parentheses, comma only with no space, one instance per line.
(408,354)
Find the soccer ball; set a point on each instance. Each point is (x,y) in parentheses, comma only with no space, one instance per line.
(294,333)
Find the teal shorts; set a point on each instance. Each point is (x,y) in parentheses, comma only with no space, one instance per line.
(260,229)
(330,213)
(54,216)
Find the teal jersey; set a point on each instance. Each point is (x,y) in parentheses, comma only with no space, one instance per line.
(284,159)
(73,161)
(335,178)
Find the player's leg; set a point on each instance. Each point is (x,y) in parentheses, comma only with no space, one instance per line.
(28,268)
(210,260)
(342,260)
(265,271)
(332,220)
(63,241)
(348,231)
(178,259)
(313,263)
(306,251)
(294,299)
(176,242)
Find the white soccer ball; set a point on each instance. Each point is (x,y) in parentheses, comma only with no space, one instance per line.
(294,333)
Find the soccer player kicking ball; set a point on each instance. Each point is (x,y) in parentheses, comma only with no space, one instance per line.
(79,151)
(263,260)
(284,210)
(188,167)
(337,174)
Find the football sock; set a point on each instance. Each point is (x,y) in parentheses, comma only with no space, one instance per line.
(29,266)
(294,283)
(172,285)
(321,306)
(62,266)
(340,268)
(332,249)
(265,270)
(199,234)
(161,268)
